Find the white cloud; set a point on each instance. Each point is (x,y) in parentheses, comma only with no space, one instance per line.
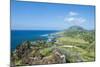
(72,13)
(69,19)
(74,18)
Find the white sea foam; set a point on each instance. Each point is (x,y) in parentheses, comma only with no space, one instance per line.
(44,35)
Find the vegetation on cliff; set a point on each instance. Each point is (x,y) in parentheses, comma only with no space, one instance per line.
(72,45)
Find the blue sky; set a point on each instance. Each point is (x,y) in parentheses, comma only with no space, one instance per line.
(47,16)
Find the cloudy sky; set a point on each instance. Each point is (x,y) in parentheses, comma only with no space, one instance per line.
(46,16)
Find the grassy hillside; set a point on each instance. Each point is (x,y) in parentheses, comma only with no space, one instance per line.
(72,45)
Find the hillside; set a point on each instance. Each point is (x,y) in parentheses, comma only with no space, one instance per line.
(68,46)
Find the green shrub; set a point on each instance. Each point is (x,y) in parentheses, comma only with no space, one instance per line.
(46,51)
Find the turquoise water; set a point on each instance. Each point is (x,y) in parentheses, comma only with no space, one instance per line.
(19,36)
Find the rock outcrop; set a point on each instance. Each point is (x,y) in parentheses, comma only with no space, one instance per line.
(64,47)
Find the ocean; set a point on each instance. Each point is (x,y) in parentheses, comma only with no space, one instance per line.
(19,36)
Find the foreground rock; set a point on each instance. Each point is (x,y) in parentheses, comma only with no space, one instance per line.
(64,47)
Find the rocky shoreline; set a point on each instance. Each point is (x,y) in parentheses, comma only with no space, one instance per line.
(58,48)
